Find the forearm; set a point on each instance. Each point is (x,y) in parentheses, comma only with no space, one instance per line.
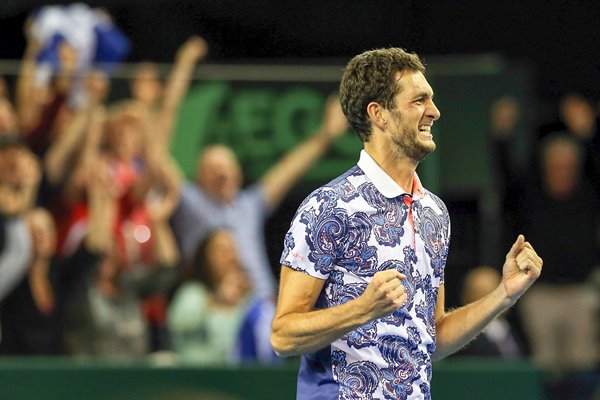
(166,247)
(102,214)
(279,179)
(301,333)
(41,289)
(457,328)
(29,193)
(28,108)
(64,148)
(177,85)
(91,149)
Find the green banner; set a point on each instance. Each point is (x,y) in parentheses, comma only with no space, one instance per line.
(260,123)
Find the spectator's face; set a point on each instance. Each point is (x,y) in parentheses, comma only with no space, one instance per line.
(219,173)
(97,85)
(125,137)
(146,85)
(578,115)
(561,170)
(226,273)
(222,256)
(9,164)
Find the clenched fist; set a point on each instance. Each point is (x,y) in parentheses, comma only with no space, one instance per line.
(522,267)
(385,294)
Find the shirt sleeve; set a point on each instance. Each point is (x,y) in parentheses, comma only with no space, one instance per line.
(315,239)
(446,233)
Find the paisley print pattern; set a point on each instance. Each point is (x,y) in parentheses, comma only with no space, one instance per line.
(358,380)
(388,222)
(288,244)
(434,229)
(344,233)
(340,294)
(336,237)
(403,370)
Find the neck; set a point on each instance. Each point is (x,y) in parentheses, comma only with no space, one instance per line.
(398,166)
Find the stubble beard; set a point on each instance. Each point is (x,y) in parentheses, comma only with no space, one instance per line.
(407,144)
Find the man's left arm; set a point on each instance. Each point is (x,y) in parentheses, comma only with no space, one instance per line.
(456,328)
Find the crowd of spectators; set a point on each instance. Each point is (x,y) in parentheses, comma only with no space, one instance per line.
(105,250)
(552,197)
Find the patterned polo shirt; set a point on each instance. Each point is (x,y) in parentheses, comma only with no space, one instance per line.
(346,231)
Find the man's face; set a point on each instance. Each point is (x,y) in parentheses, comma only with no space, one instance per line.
(412,117)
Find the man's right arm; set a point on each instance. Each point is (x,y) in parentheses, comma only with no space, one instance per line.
(298,328)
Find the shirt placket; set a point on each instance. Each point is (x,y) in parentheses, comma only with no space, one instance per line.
(408,201)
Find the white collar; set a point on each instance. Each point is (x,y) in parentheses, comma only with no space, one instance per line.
(383,182)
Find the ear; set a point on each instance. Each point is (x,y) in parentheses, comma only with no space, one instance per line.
(377,113)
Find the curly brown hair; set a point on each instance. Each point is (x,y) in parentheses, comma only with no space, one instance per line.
(371,76)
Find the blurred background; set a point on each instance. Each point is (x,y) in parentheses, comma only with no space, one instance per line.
(115,125)
(552,36)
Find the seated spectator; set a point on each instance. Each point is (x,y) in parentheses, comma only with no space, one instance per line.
(562,215)
(498,339)
(213,317)
(578,119)
(556,206)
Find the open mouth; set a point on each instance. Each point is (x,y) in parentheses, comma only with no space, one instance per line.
(426,130)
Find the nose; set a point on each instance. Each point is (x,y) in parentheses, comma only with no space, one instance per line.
(433,111)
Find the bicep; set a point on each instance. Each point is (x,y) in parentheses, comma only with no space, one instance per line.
(298,292)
